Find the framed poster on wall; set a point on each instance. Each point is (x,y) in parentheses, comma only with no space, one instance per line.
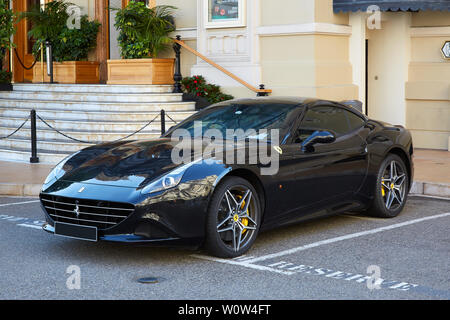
(224,13)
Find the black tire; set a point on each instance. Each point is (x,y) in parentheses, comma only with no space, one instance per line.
(220,243)
(380,206)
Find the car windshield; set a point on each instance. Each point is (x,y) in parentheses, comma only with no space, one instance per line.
(246,120)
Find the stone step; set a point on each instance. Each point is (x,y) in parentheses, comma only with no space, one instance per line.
(48,134)
(91,115)
(23,155)
(67,146)
(92,97)
(87,126)
(96,106)
(92,88)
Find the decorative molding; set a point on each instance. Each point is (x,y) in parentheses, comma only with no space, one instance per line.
(186,33)
(429,31)
(305,28)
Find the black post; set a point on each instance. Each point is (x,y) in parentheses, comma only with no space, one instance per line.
(34,158)
(49,53)
(163,122)
(177,77)
(262,94)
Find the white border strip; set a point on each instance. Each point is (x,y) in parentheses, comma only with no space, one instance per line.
(17,203)
(346,237)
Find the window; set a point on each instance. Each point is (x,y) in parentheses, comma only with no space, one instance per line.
(245,117)
(323,118)
(354,121)
(224,13)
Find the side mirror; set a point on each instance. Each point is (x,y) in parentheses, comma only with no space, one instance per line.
(318,137)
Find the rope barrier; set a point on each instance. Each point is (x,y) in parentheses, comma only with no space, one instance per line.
(171,118)
(15,131)
(21,63)
(87,142)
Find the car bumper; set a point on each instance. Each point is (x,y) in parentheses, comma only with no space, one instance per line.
(173,217)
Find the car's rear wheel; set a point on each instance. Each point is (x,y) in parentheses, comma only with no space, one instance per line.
(391,188)
(233,220)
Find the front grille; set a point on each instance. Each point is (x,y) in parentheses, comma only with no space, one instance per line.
(95,213)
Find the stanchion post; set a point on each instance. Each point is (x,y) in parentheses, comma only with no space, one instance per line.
(34,158)
(163,122)
(42,62)
(177,77)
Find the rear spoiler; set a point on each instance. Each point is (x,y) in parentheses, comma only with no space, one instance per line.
(356,104)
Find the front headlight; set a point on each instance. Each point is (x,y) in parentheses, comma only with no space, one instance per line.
(57,171)
(169,180)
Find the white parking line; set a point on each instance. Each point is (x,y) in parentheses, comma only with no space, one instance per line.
(242,264)
(30,226)
(346,237)
(17,203)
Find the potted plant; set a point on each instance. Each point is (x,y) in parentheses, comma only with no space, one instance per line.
(204,94)
(143,34)
(7,30)
(70,46)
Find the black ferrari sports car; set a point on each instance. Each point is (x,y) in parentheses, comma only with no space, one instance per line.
(329,158)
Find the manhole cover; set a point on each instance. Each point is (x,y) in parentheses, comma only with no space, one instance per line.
(148,280)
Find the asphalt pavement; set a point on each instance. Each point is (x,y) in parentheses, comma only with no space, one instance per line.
(341,257)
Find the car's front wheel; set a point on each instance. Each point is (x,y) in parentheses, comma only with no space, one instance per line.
(391,188)
(233,220)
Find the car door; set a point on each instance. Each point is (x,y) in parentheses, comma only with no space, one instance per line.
(328,172)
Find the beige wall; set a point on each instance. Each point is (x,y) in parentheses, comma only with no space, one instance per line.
(287,11)
(428,85)
(185,14)
(313,62)
(323,12)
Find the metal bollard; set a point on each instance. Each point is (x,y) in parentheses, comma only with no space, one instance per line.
(177,77)
(34,158)
(163,122)
(49,53)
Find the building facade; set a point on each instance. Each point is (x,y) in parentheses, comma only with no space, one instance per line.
(387,54)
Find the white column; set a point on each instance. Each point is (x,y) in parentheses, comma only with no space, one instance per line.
(357,53)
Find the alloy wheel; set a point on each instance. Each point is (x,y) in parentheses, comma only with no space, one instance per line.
(393,187)
(237,217)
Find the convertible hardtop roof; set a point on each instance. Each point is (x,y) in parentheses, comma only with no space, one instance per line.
(298,101)
(275,100)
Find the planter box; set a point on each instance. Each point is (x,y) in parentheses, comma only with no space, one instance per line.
(69,72)
(141,71)
(200,102)
(6,87)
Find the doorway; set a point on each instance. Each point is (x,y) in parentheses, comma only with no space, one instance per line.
(24,45)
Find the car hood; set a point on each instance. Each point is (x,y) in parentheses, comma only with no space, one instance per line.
(125,164)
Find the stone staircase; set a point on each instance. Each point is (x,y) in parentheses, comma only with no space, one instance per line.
(94,113)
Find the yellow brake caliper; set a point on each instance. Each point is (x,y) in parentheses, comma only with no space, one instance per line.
(244,220)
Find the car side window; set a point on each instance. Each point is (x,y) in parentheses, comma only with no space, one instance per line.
(322,118)
(354,121)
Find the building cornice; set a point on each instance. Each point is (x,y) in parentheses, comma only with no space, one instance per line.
(304,29)
(430,31)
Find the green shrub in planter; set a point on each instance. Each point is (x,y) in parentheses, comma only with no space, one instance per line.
(75,44)
(7,30)
(144,32)
(198,87)
(50,23)
(5,77)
